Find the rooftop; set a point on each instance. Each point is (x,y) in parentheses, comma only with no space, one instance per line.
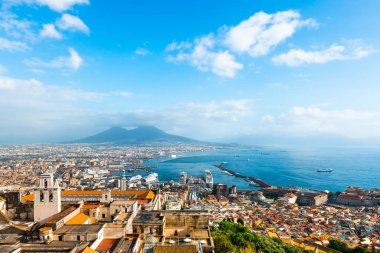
(81,229)
(59,216)
(80,218)
(176,249)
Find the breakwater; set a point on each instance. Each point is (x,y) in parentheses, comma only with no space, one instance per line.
(257,181)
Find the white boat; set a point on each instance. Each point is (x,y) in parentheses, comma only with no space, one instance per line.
(135,178)
(325,170)
(252,183)
(208,177)
(152,177)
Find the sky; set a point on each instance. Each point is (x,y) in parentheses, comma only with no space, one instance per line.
(210,70)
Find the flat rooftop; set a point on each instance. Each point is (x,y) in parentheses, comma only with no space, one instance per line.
(79,229)
(149,217)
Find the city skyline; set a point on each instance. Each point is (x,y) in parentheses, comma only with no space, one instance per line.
(213,71)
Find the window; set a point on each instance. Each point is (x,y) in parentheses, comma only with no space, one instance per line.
(60,238)
(50,196)
(78,237)
(41,197)
(45,183)
(103,215)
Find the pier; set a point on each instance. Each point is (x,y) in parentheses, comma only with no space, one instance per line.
(260,182)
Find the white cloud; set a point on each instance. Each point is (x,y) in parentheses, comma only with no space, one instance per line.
(174,46)
(12,45)
(47,111)
(142,51)
(49,31)
(256,36)
(204,58)
(262,32)
(73,62)
(349,51)
(36,111)
(55,5)
(311,120)
(61,5)
(16,27)
(72,23)
(213,119)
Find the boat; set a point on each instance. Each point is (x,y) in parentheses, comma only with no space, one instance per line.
(208,177)
(252,183)
(325,170)
(135,178)
(152,177)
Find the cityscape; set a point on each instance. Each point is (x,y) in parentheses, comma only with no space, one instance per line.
(163,126)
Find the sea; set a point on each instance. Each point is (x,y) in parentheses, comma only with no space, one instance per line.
(280,166)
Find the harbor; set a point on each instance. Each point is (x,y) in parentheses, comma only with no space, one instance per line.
(250,179)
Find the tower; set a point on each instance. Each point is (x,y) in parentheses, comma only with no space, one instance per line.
(123,183)
(47,197)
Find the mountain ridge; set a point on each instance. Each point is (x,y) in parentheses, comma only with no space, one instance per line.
(144,134)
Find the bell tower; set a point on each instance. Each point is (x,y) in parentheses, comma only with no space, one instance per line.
(47,197)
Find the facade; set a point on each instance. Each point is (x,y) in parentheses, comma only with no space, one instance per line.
(220,190)
(47,198)
(311,199)
(355,199)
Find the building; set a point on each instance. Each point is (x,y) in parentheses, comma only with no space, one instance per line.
(220,190)
(47,198)
(356,199)
(311,199)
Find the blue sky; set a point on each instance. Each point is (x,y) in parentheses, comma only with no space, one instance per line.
(212,70)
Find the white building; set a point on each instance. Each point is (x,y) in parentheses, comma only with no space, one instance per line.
(47,198)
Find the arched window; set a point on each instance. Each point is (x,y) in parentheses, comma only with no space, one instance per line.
(41,196)
(50,196)
(46,185)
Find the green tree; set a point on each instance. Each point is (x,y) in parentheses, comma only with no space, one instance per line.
(223,244)
(338,245)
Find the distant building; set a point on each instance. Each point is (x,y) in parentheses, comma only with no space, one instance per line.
(233,190)
(353,199)
(220,190)
(311,199)
(289,198)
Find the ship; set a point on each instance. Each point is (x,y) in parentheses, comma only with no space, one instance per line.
(183,178)
(152,177)
(208,177)
(325,170)
(135,178)
(253,183)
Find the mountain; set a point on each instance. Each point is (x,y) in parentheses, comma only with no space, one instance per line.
(137,136)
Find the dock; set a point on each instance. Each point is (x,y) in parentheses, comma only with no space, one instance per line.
(258,181)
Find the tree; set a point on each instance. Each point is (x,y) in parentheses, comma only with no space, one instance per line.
(338,245)
(240,221)
(223,244)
